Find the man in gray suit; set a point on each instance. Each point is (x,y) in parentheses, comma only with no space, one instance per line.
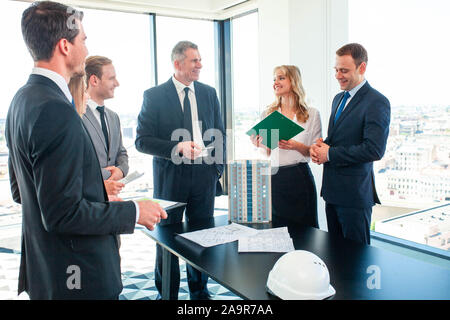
(103,124)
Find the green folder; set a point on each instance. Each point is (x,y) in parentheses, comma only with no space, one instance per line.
(287,129)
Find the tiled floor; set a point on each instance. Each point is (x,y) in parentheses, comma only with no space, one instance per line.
(138,258)
(9,273)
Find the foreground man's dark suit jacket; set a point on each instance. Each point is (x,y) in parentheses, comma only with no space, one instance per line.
(56,177)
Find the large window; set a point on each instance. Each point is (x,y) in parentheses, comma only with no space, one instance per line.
(409,63)
(111,34)
(125,39)
(169,31)
(247,108)
(114,35)
(17,65)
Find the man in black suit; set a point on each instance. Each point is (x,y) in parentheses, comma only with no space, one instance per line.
(181,126)
(357,134)
(69,245)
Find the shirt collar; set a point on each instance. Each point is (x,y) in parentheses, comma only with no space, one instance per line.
(180,86)
(355,89)
(56,78)
(92,105)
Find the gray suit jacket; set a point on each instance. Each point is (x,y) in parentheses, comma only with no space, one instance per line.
(117,156)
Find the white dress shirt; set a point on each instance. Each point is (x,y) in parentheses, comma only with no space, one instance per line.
(93,106)
(56,78)
(196,124)
(353,92)
(313,131)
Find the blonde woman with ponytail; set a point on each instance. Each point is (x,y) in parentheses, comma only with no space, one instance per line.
(294,195)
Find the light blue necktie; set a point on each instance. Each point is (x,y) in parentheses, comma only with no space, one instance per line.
(341,106)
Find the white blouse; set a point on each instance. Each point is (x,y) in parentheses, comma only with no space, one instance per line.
(313,131)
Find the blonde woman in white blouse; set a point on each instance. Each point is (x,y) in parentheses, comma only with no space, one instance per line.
(294,195)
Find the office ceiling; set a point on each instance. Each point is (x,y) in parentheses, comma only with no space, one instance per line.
(207,9)
(197,5)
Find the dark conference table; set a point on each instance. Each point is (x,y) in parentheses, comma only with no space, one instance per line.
(352,266)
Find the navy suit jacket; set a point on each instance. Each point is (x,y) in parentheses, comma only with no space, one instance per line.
(160,116)
(67,223)
(357,139)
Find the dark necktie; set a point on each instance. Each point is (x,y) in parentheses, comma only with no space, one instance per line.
(101,109)
(341,106)
(187,112)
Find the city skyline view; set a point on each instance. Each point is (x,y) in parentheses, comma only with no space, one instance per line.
(408,63)
(415,171)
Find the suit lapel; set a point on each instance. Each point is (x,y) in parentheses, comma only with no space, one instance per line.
(90,117)
(86,132)
(351,106)
(201,107)
(174,102)
(333,112)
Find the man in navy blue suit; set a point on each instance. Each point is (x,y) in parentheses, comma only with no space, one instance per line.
(357,135)
(181,126)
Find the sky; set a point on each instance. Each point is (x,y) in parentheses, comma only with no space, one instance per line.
(407,42)
(408,48)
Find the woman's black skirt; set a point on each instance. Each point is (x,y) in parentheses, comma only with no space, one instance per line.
(294,195)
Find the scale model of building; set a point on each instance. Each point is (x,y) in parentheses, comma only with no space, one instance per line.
(249,186)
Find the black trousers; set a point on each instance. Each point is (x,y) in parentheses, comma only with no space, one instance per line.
(349,223)
(294,195)
(200,181)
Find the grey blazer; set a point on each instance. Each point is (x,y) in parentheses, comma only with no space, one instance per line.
(117,156)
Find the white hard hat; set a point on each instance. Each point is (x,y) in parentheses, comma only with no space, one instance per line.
(300,275)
